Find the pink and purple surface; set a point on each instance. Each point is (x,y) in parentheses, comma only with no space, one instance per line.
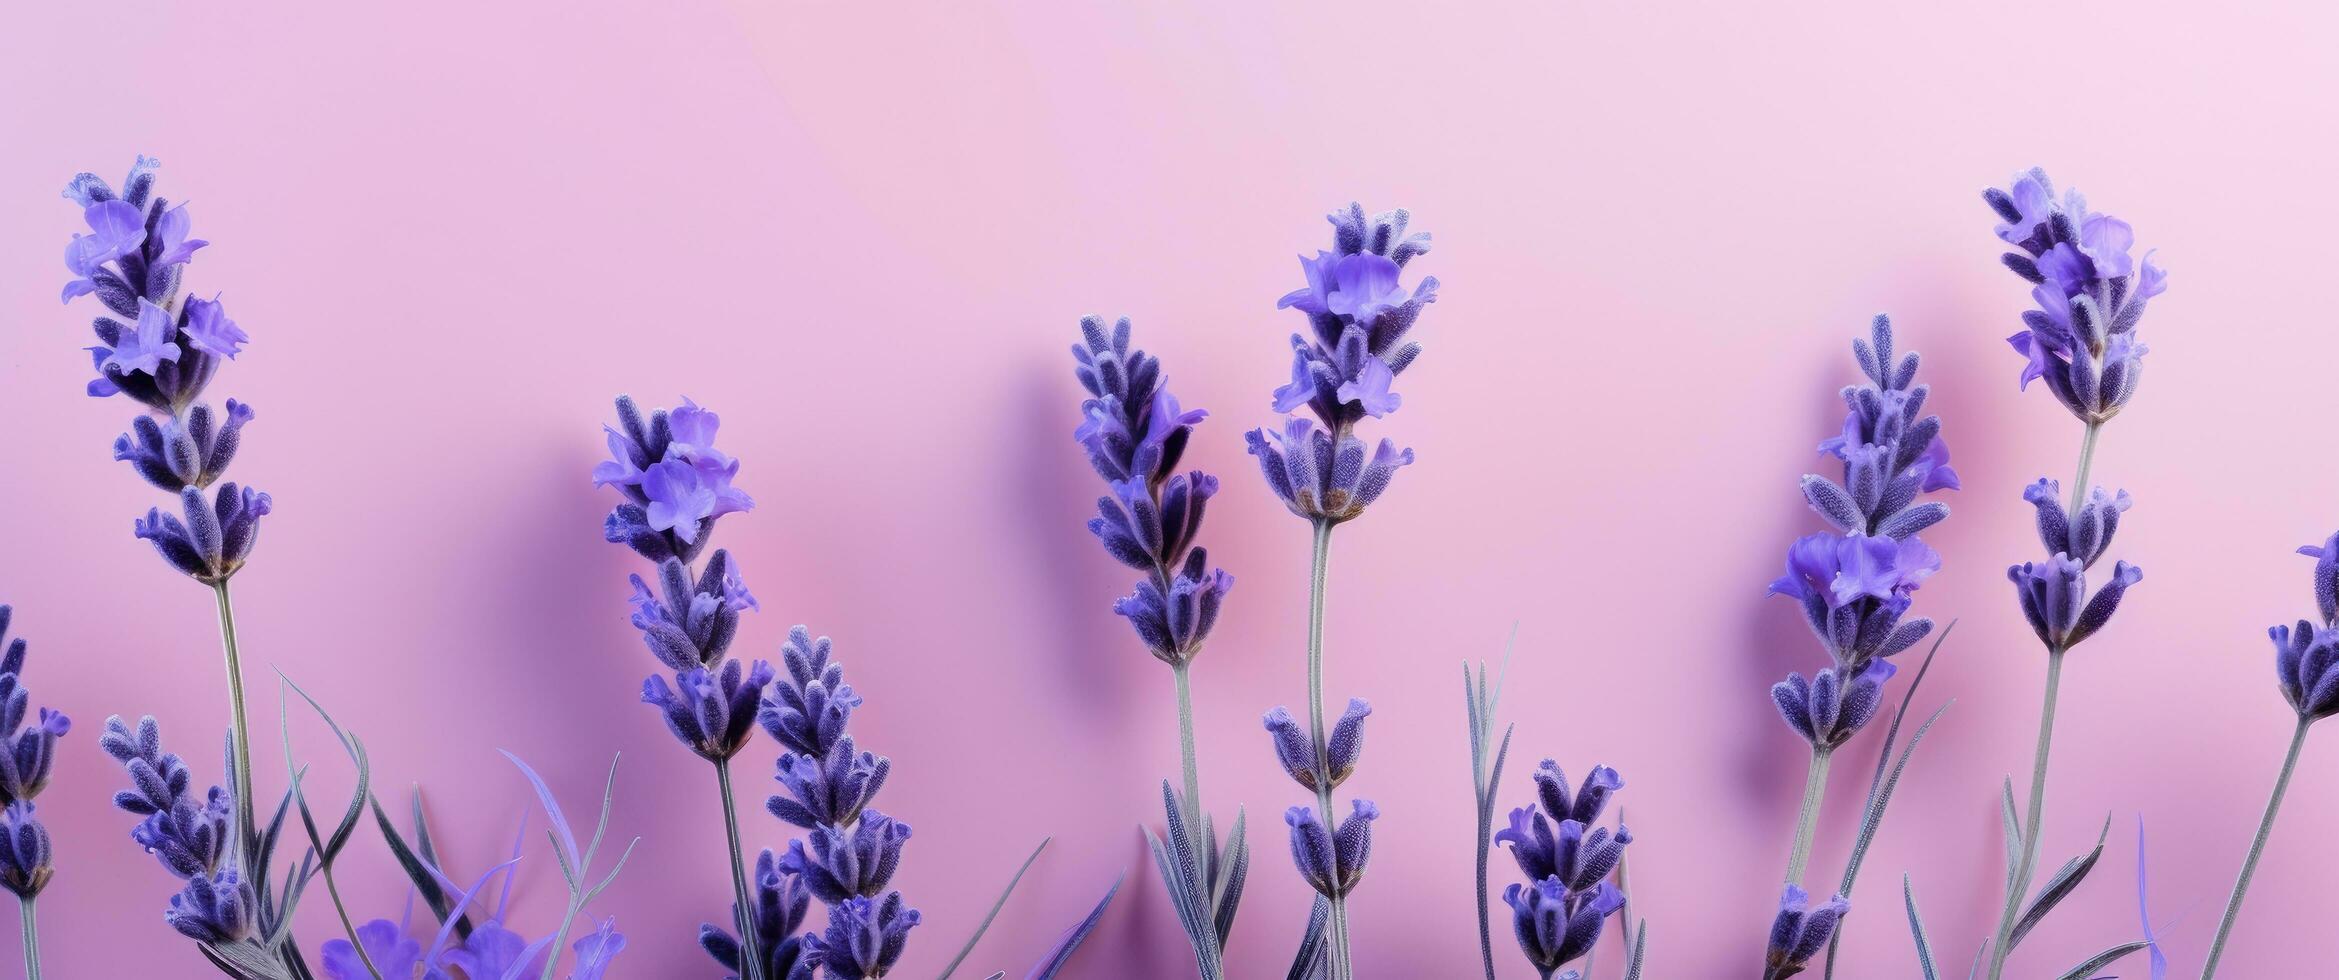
(865,236)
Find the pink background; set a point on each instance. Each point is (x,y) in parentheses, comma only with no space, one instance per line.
(455,230)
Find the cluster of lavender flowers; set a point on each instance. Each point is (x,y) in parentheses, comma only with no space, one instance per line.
(191,835)
(1135,433)
(169,349)
(2081,339)
(1561,910)
(1359,314)
(853,848)
(1855,585)
(27,755)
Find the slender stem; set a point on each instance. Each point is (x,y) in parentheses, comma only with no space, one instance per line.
(1485,844)
(1340,969)
(742,905)
(2086,462)
(32,940)
(2019,887)
(2233,906)
(247,826)
(334,891)
(1186,755)
(1807,819)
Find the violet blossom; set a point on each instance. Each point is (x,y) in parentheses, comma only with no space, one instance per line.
(1559,912)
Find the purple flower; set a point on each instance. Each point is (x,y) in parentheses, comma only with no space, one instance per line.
(1332,860)
(595,951)
(674,481)
(780,899)
(209,330)
(2086,540)
(2090,292)
(1800,931)
(1835,704)
(1322,480)
(216,908)
(692,624)
(1359,315)
(1892,452)
(216,537)
(178,452)
(711,713)
(1135,432)
(495,951)
(144,350)
(865,936)
(1298,755)
(116,229)
(808,711)
(847,862)
(386,943)
(1854,590)
(2306,659)
(2055,600)
(1575,852)
(2326,556)
(1556,926)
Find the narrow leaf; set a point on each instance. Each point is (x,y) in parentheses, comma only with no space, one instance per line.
(1880,797)
(426,885)
(1309,963)
(1234,865)
(1640,952)
(1917,929)
(1070,943)
(2101,960)
(2013,832)
(985,925)
(566,843)
(2058,888)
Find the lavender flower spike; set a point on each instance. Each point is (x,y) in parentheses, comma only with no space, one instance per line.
(1332,860)
(1800,931)
(1559,911)
(155,347)
(2306,668)
(2081,338)
(781,900)
(28,751)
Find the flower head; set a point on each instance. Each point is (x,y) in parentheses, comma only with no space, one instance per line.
(1892,452)
(1834,704)
(2055,600)
(1332,860)
(386,944)
(1854,591)
(2090,290)
(675,483)
(1322,479)
(847,862)
(711,712)
(2306,659)
(190,450)
(2086,539)
(1800,931)
(131,260)
(215,908)
(1359,314)
(780,900)
(1556,926)
(211,544)
(865,936)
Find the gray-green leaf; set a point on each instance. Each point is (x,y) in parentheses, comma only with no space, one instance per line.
(2058,888)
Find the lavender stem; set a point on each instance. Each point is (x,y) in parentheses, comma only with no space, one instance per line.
(1193,771)
(2017,889)
(2233,906)
(1807,819)
(1316,577)
(32,940)
(742,907)
(2086,462)
(247,827)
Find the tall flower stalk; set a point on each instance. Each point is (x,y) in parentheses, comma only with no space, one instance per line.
(1341,371)
(2081,340)
(1135,434)
(2306,668)
(676,484)
(27,754)
(1855,585)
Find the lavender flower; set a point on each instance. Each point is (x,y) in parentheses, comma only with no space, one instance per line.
(674,480)
(2090,293)
(711,713)
(1342,369)
(163,357)
(1856,586)
(386,944)
(1556,926)
(853,849)
(1135,432)
(27,754)
(2306,660)
(2081,338)
(865,936)
(1891,452)
(1800,931)
(1559,911)
(780,902)
(219,904)
(1298,756)
(215,909)
(1331,860)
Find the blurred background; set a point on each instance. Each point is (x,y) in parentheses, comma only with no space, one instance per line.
(455,231)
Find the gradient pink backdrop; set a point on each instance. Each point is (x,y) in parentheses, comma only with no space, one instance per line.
(455,230)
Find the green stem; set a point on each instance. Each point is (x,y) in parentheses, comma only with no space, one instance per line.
(247,826)
(1807,818)
(1340,969)
(743,905)
(2086,462)
(2233,906)
(2019,887)
(32,940)
(334,891)
(1186,755)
